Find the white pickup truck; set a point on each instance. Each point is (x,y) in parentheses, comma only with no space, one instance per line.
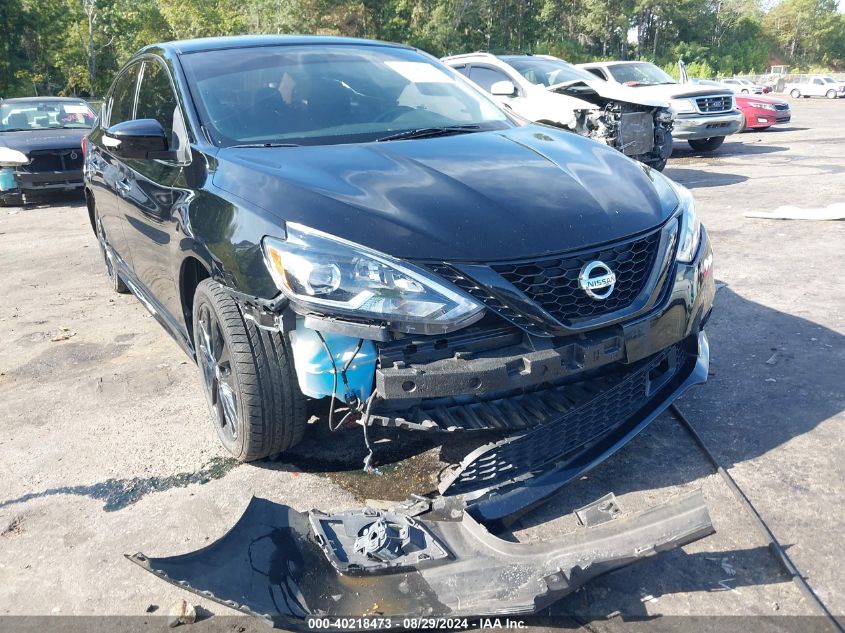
(815,86)
(704,115)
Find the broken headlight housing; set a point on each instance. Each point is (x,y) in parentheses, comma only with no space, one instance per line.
(325,274)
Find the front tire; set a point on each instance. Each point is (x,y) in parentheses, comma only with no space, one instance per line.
(248,378)
(743,124)
(831,94)
(706,144)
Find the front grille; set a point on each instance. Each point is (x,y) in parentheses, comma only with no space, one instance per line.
(553,283)
(566,434)
(55,160)
(714,104)
(479,292)
(781,107)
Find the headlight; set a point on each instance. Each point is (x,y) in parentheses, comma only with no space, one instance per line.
(764,106)
(12,158)
(664,115)
(681,106)
(330,275)
(690,233)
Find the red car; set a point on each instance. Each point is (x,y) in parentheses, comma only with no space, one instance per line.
(761,112)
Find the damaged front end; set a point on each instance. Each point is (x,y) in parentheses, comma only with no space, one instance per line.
(561,359)
(641,131)
(419,560)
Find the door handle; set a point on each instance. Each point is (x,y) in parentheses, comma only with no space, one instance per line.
(123,186)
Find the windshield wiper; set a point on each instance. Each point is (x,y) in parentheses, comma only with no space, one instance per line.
(430,132)
(18,129)
(266,145)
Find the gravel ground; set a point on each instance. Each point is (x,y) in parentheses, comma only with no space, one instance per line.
(106,446)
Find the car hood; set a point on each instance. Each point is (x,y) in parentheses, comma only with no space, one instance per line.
(32,140)
(617,92)
(679,91)
(484,196)
(740,99)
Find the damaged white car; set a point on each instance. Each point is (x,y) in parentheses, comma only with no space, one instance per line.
(548,90)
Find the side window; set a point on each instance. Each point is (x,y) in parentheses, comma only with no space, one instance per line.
(818,81)
(597,72)
(122,102)
(155,97)
(486,77)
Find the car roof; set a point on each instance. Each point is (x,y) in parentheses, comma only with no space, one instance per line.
(24,100)
(180,47)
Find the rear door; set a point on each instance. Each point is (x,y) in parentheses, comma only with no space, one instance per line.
(152,231)
(107,181)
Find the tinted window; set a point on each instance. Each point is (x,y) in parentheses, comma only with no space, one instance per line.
(123,96)
(486,77)
(817,81)
(320,95)
(597,72)
(464,70)
(156,99)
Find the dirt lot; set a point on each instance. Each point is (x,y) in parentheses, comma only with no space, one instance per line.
(106,447)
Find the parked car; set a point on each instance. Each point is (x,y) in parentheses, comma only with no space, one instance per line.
(317,218)
(547,90)
(762,112)
(704,116)
(744,86)
(814,86)
(40,148)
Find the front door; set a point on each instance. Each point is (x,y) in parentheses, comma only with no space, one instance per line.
(108,182)
(151,231)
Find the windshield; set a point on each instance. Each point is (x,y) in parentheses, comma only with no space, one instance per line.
(547,72)
(640,74)
(329,94)
(45,115)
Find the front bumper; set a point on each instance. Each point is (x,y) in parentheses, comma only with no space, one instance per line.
(409,569)
(26,185)
(697,126)
(764,118)
(566,407)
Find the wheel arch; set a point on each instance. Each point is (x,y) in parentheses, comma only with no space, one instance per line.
(191,273)
(89,204)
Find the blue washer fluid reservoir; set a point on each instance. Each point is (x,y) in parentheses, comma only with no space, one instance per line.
(7,179)
(314,370)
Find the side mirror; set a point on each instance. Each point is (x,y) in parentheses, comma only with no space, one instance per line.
(143,139)
(503,89)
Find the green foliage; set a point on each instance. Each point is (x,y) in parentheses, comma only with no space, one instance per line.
(75,47)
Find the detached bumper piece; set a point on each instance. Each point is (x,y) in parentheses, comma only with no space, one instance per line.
(287,567)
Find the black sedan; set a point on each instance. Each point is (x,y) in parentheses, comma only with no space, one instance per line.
(353,222)
(40,149)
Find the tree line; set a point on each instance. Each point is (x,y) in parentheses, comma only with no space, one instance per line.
(74,47)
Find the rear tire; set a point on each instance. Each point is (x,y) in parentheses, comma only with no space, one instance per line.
(248,378)
(706,144)
(795,94)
